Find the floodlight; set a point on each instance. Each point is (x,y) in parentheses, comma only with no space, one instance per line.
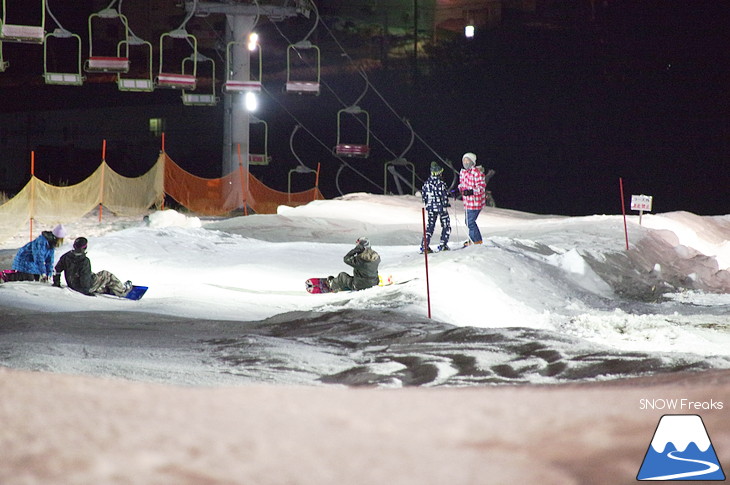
(469,31)
(250,101)
(253,41)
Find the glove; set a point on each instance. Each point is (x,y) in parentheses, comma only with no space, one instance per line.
(57,280)
(467,192)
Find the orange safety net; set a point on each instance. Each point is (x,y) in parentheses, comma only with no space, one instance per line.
(222,195)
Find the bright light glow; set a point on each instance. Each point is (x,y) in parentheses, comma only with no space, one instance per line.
(469,31)
(251,101)
(253,41)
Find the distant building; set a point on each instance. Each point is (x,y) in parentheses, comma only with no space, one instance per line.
(455,15)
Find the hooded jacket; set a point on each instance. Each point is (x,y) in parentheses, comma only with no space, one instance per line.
(37,256)
(77,269)
(365,264)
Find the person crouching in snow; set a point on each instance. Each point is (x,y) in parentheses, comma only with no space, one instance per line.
(435,197)
(364,261)
(77,268)
(34,261)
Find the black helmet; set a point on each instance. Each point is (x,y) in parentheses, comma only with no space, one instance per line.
(80,244)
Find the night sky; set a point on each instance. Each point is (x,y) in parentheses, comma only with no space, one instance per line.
(559,106)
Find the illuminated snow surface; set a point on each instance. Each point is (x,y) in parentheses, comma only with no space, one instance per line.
(546,299)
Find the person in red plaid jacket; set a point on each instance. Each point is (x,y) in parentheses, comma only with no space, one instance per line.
(473,188)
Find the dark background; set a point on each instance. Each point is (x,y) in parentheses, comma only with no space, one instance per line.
(561,105)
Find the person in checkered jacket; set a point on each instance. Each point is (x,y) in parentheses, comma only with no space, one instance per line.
(473,188)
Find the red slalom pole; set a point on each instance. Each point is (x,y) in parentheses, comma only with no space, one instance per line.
(425,256)
(623,209)
(32,191)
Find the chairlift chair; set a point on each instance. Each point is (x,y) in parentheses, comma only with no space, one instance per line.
(260,158)
(303,86)
(171,78)
(107,63)
(3,64)
(138,83)
(70,77)
(236,85)
(200,99)
(28,34)
(354,150)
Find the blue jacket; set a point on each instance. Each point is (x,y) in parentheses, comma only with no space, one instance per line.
(435,194)
(36,257)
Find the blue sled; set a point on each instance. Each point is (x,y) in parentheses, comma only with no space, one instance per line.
(136,292)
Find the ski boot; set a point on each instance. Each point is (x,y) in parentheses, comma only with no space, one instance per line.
(443,247)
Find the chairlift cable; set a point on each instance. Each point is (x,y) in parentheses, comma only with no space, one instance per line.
(50,14)
(342,102)
(342,161)
(382,98)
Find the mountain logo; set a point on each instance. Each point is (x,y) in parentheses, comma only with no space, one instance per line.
(680,450)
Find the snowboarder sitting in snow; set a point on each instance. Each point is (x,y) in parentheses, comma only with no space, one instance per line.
(365,262)
(79,277)
(435,197)
(34,261)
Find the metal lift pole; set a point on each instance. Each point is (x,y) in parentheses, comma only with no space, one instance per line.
(241,18)
(236,119)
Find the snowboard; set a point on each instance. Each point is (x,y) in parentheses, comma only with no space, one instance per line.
(317,285)
(136,292)
(6,275)
(385,280)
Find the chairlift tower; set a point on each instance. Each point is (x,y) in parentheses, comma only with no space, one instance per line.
(241,18)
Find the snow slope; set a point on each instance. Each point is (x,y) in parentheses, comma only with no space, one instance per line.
(568,278)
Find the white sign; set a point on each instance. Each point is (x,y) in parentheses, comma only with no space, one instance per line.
(641,203)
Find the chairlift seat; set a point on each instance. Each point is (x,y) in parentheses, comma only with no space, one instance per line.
(175,81)
(64,78)
(350,150)
(194,99)
(29,34)
(258,159)
(232,86)
(140,85)
(107,64)
(302,87)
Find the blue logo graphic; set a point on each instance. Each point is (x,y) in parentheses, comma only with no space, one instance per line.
(680,450)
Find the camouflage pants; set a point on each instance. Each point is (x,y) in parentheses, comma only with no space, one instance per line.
(343,282)
(105,282)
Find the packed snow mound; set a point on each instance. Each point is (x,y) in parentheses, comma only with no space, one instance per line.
(563,274)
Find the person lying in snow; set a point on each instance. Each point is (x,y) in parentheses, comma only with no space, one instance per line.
(364,261)
(79,277)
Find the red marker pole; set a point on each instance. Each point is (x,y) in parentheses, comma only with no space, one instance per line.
(425,256)
(103,172)
(162,150)
(623,210)
(32,191)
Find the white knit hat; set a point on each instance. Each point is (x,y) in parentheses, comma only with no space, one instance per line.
(59,231)
(472,159)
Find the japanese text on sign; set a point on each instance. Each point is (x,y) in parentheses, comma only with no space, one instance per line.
(641,203)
